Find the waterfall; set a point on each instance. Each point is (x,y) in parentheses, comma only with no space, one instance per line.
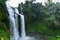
(13,22)
(13,17)
(23,34)
(22,26)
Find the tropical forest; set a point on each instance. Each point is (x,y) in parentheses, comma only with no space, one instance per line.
(41,21)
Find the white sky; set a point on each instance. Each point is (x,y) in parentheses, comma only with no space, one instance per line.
(15,3)
(43,1)
(46,1)
(36,0)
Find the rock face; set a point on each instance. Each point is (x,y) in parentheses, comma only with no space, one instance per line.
(37,36)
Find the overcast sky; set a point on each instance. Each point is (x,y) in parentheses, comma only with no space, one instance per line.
(46,0)
(15,3)
(43,1)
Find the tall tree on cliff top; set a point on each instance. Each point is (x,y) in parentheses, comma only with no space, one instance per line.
(49,2)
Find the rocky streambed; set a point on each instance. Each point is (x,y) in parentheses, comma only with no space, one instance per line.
(37,36)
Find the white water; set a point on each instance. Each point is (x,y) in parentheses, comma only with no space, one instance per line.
(23,34)
(13,17)
(13,23)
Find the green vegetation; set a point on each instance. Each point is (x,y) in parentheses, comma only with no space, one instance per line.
(4,31)
(38,18)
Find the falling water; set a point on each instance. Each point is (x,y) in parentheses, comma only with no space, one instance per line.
(13,17)
(22,27)
(23,34)
(13,22)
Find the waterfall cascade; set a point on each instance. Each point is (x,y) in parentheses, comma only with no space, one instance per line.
(13,17)
(13,22)
(23,34)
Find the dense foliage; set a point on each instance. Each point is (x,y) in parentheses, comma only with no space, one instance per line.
(43,19)
(4,31)
(38,18)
